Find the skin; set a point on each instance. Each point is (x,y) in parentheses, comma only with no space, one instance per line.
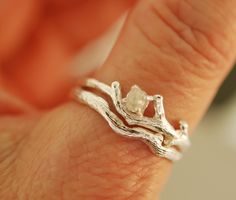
(181,49)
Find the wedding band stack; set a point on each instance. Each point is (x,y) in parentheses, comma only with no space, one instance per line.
(156,131)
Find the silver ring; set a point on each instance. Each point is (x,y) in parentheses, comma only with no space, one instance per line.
(156,131)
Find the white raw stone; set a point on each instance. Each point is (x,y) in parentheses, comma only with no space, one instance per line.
(136,100)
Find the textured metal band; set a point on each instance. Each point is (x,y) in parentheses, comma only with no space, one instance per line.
(155,131)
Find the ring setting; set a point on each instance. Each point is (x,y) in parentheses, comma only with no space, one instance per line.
(160,136)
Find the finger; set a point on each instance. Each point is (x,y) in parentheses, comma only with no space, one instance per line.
(10,104)
(184,53)
(166,47)
(13,131)
(16,21)
(51,37)
(75,19)
(179,49)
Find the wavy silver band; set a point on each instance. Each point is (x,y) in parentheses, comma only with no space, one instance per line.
(156,131)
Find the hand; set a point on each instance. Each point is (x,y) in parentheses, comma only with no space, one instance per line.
(181,49)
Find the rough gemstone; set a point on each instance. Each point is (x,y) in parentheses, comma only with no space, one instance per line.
(136,100)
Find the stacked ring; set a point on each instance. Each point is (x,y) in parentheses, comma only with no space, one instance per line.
(156,131)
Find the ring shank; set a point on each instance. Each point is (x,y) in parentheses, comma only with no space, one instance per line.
(148,130)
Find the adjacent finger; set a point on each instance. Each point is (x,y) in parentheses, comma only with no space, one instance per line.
(37,65)
(10,104)
(16,22)
(76,19)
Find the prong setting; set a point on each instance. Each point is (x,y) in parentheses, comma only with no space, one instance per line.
(136,101)
(155,131)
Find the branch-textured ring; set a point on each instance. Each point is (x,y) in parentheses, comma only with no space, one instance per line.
(155,131)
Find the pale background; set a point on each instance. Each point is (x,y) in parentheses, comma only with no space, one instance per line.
(208,170)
